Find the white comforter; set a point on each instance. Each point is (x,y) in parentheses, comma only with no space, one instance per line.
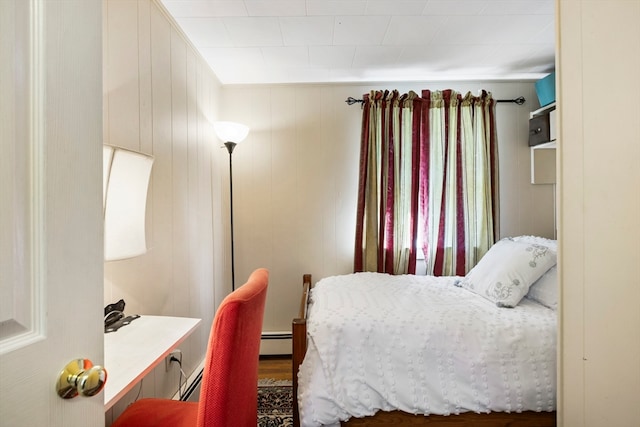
(424,346)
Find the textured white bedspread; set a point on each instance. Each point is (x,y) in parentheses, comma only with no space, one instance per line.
(424,346)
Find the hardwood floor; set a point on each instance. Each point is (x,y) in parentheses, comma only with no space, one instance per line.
(275,367)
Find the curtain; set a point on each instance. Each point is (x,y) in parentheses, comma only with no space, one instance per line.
(428,173)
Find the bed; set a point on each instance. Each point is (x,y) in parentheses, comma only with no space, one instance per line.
(375,349)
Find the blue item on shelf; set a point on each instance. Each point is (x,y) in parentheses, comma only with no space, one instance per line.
(546,89)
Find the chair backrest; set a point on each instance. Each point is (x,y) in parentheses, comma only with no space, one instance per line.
(229,391)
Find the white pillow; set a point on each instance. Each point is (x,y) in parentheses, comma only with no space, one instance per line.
(507,270)
(553,244)
(545,289)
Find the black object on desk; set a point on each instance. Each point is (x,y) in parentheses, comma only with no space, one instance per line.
(114,317)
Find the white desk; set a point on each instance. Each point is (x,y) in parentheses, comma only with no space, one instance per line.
(134,350)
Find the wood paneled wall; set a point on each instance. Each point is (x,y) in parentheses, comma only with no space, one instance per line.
(160,98)
(599,227)
(296,176)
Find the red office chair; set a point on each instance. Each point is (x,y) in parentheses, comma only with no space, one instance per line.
(229,392)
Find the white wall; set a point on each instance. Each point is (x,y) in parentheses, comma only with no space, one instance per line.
(599,212)
(159,98)
(296,176)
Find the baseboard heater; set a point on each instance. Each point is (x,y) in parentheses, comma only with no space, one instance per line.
(192,386)
(282,335)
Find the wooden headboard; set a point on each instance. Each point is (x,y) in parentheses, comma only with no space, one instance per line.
(299,335)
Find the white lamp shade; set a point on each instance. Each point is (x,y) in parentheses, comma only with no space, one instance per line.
(231,131)
(126,180)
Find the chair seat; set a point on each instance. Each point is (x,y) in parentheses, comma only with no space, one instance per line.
(159,412)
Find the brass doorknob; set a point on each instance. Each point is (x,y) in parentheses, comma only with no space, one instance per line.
(81,377)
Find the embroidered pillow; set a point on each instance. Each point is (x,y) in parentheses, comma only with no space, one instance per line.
(507,271)
(553,244)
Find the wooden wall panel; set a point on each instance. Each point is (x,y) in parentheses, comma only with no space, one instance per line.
(600,207)
(208,273)
(160,241)
(179,173)
(122,75)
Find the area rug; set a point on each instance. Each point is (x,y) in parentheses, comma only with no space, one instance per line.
(275,403)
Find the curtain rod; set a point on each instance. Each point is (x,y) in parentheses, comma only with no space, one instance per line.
(519,100)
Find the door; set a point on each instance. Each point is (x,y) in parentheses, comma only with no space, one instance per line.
(51,269)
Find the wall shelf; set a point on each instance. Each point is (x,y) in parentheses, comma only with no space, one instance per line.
(543,163)
(543,156)
(543,110)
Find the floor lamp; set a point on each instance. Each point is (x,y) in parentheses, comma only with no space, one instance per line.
(232,134)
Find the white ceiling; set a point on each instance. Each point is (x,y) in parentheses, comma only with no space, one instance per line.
(329,41)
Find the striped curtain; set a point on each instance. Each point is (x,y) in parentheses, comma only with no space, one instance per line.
(428,177)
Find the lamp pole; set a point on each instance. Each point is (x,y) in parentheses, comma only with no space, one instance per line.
(232,133)
(230,146)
